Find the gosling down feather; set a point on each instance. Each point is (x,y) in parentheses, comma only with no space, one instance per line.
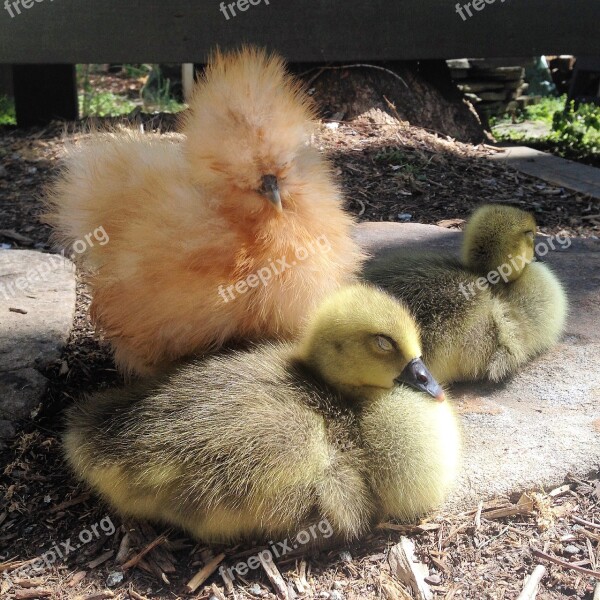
(346,425)
(488,313)
(233,230)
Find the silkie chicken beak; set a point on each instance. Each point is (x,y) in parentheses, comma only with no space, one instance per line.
(270,189)
(417,375)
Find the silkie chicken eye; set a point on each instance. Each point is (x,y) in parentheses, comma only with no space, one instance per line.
(385,343)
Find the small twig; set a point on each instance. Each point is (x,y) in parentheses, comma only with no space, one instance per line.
(124,548)
(363,208)
(565,564)
(532,583)
(597,592)
(453,534)
(586,523)
(32,593)
(204,573)
(135,595)
(69,503)
(393,108)
(77,579)
(29,583)
(406,569)
(277,581)
(132,562)
(100,595)
(228,582)
(356,66)
(478,516)
(559,491)
(217,593)
(100,559)
(511,511)
(488,542)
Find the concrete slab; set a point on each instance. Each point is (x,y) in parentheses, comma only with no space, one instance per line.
(543,424)
(37,306)
(553,169)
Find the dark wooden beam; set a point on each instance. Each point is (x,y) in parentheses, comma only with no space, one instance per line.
(6,80)
(105,31)
(44,93)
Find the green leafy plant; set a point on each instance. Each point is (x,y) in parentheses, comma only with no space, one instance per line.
(155,93)
(574,131)
(7,111)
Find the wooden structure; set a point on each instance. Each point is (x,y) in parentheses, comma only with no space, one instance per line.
(51,32)
(585,84)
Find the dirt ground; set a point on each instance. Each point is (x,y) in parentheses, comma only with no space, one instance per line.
(390,171)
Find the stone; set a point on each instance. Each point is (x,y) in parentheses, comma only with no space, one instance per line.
(544,423)
(114,578)
(37,306)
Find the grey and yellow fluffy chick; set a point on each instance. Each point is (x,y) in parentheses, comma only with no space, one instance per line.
(263,442)
(488,313)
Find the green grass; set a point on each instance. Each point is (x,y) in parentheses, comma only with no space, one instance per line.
(574,133)
(7,111)
(403,164)
(104,104)
(155,94)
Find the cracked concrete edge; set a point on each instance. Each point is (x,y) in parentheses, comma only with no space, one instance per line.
(37,310)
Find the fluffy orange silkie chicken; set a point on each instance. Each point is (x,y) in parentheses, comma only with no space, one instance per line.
(233,230)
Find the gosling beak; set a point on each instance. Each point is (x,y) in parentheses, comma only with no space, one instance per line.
(270,188)
(416,375)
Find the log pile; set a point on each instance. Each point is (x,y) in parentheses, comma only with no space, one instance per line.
(493,86)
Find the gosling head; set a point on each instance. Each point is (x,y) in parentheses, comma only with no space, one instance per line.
(247,132)
(499,238)
(361,338)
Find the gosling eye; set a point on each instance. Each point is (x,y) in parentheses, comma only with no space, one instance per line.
(385,343)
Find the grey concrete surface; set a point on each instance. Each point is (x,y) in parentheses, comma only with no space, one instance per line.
(543,424)
(553,169)
(37,306)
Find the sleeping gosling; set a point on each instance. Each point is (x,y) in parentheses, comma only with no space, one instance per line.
(472,328)
(264,442)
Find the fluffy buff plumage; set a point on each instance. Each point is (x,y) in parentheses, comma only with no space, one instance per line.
(233,230)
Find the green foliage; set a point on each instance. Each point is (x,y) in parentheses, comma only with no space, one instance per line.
(403,164)
(392,156)
(545,109)
(93,103)
(104,104)
(155,94)
(7,111)
(574,134)
(577,131)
